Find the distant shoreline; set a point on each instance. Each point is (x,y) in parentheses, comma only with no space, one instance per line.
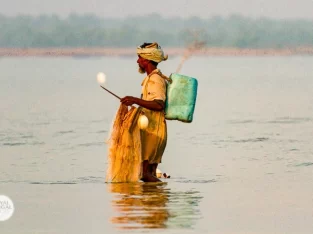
(122,52)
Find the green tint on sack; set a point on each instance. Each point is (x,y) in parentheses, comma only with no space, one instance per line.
(181,98)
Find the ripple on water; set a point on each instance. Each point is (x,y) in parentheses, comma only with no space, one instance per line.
(305,164)
(61,133)
(23,143)
(98,121)
(90,144)
(79,180)
(91,179)
(294,149)
(27,136)
(246,121)
(196,181)
(36,182)
(14,144)
(249,140)
(18,139)
(289,120)
(56,182)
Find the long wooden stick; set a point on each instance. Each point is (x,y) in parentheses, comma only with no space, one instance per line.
(110,92)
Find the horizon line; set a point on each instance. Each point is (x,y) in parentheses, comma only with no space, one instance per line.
(154,14)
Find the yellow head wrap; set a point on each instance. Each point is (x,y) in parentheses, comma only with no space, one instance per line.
(152,52)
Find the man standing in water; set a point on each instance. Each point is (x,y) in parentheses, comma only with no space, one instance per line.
(152,103)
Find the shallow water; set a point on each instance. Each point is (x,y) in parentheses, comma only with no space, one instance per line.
(243,166)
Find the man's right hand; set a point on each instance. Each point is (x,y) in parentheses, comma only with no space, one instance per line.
(128,100)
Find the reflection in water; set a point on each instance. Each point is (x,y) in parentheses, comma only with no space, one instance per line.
(153,205)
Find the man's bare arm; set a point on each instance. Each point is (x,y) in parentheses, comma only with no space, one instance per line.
(156,105)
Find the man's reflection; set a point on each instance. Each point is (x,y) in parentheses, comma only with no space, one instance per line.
(140,205)
(153,205)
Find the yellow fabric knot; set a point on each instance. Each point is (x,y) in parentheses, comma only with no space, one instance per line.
(152,52)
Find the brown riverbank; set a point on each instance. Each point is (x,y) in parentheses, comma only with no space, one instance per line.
(55,52)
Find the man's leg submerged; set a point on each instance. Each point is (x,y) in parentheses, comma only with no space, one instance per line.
(147,172)
(152,169)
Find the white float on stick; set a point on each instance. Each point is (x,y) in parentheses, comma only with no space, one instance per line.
(101,77)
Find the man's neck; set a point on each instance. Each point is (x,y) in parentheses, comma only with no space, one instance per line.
(150,69)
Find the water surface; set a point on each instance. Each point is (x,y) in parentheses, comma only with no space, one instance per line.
(243,166)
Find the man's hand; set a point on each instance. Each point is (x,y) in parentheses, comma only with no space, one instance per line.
(128,100)
(156,105)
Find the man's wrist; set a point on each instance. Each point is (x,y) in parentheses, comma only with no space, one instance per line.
(136,100)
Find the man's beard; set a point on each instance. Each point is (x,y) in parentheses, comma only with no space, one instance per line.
(141,70)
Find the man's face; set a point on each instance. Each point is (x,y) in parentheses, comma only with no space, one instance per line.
(142,63)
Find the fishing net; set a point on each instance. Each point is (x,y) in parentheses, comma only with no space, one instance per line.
(124,156)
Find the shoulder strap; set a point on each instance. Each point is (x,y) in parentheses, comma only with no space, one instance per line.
(157,71)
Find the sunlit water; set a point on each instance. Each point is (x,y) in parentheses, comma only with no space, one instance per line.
(243,166)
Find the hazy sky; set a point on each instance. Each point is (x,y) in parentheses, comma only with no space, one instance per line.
(167,8)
